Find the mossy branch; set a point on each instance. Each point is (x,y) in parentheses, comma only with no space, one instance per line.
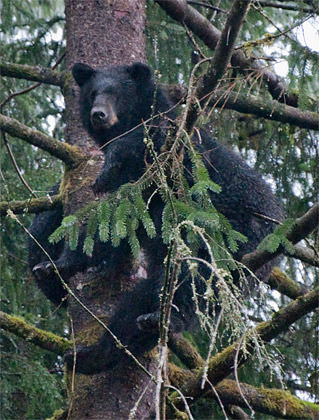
(70,155)
(288,287)
(222,364)
(302,227)
(275,402)
(34,205)
(41,338)
(185,351)
(32,73)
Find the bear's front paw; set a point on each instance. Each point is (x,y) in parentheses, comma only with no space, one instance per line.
(42,270)
(148,322)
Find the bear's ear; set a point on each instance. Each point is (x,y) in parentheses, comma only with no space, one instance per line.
(82,73)
(140,72)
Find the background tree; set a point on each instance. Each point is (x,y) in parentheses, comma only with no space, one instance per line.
(283,145)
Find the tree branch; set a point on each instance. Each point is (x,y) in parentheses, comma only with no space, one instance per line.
(274,402)
(41,338)
(196,22)
(288,287)
(209,81)
(264,108)
(302,227)
(70,155)
(222,364)
(33,73)
(35,205)
(185,351)
(305,254)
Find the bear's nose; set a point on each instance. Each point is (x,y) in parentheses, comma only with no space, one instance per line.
(99,116)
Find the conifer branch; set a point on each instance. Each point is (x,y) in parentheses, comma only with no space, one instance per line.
(33,73)
(44,339)
(70,155)
(302,227)
(222,364)
(35,205)
(180,11)
(261,107)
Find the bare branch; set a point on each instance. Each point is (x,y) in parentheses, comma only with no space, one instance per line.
(183,13)
(303,227)
(296,8)
(28,89)
(35,205)
(41,338)
(305,254)
(263,107)
(209,81)
(16,167)
(33,73)
(70,155)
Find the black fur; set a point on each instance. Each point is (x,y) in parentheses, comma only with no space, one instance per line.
(112,103)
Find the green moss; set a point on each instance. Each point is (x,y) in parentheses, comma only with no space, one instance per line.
(278,401)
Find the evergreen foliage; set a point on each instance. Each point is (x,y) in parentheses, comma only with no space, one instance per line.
(288,156)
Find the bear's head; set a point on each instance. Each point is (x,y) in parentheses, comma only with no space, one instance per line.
(114,100)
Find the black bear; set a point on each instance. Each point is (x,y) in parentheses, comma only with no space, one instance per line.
(114,104)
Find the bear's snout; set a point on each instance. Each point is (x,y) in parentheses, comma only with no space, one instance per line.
(103,118)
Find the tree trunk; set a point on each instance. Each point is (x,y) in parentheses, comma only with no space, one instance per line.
(100,33)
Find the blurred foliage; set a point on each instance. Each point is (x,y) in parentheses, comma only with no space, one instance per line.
(31,379)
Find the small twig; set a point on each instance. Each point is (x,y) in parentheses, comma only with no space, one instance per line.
(24,182)
(209,6)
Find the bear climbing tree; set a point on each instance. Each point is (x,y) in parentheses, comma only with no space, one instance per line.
(129,116)
(152,246)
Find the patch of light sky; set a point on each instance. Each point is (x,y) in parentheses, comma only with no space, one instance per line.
(307,35)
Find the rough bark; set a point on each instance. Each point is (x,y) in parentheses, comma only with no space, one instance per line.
(101,34)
